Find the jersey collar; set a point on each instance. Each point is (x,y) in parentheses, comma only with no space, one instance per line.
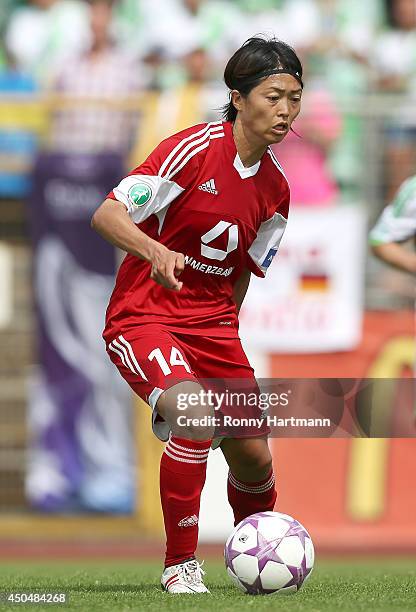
(237,163)
(242,170)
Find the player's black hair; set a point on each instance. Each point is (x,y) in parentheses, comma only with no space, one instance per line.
(254,61)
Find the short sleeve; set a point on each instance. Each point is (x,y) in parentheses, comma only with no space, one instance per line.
(161,178)
(397,222)
(266,244)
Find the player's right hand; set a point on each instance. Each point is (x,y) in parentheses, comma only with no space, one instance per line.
(166,268)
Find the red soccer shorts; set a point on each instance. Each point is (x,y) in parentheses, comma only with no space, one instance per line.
(152,359)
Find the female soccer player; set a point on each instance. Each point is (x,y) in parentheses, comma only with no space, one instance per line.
(206,209)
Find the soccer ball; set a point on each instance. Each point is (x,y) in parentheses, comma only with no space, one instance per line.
(269,553)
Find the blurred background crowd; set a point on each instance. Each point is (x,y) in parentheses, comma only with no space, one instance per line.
(87,89)
(359,59)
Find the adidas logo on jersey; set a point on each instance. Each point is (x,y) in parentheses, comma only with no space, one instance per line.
(209,186)
(188,521)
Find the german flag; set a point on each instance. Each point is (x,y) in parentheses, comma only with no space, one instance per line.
(314,282)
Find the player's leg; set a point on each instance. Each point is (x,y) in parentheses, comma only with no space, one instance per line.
(183,470)
(152,364)
(251,482)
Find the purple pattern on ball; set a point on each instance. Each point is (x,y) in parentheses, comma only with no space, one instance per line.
(297,529)
(251,520)
(253,589)
(297,576)
(230,555)
(265,550)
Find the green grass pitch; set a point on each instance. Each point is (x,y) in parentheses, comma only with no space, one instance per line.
(113,585)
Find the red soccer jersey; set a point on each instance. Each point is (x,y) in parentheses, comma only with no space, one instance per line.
(194,195)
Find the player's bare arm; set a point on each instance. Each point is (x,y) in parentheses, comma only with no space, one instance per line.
(241,287)
(112,221)
(396,255)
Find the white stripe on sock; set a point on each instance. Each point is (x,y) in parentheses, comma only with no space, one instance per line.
(190,455)
(234,480)
(247,488)
(184,460)
(185,448)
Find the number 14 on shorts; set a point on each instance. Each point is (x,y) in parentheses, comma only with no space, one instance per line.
(124,350)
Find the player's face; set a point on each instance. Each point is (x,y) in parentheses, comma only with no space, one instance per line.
(269,110)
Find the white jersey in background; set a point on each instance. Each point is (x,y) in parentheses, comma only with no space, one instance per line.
(397,222)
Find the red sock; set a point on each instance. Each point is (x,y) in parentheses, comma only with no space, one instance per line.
(250,497)
(183,469)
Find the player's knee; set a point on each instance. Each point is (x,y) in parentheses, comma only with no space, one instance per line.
(199,433)
(257,462)
(260,464)
(196,423)
(185,408)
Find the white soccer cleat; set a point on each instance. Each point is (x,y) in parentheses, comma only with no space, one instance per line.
(184,578)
